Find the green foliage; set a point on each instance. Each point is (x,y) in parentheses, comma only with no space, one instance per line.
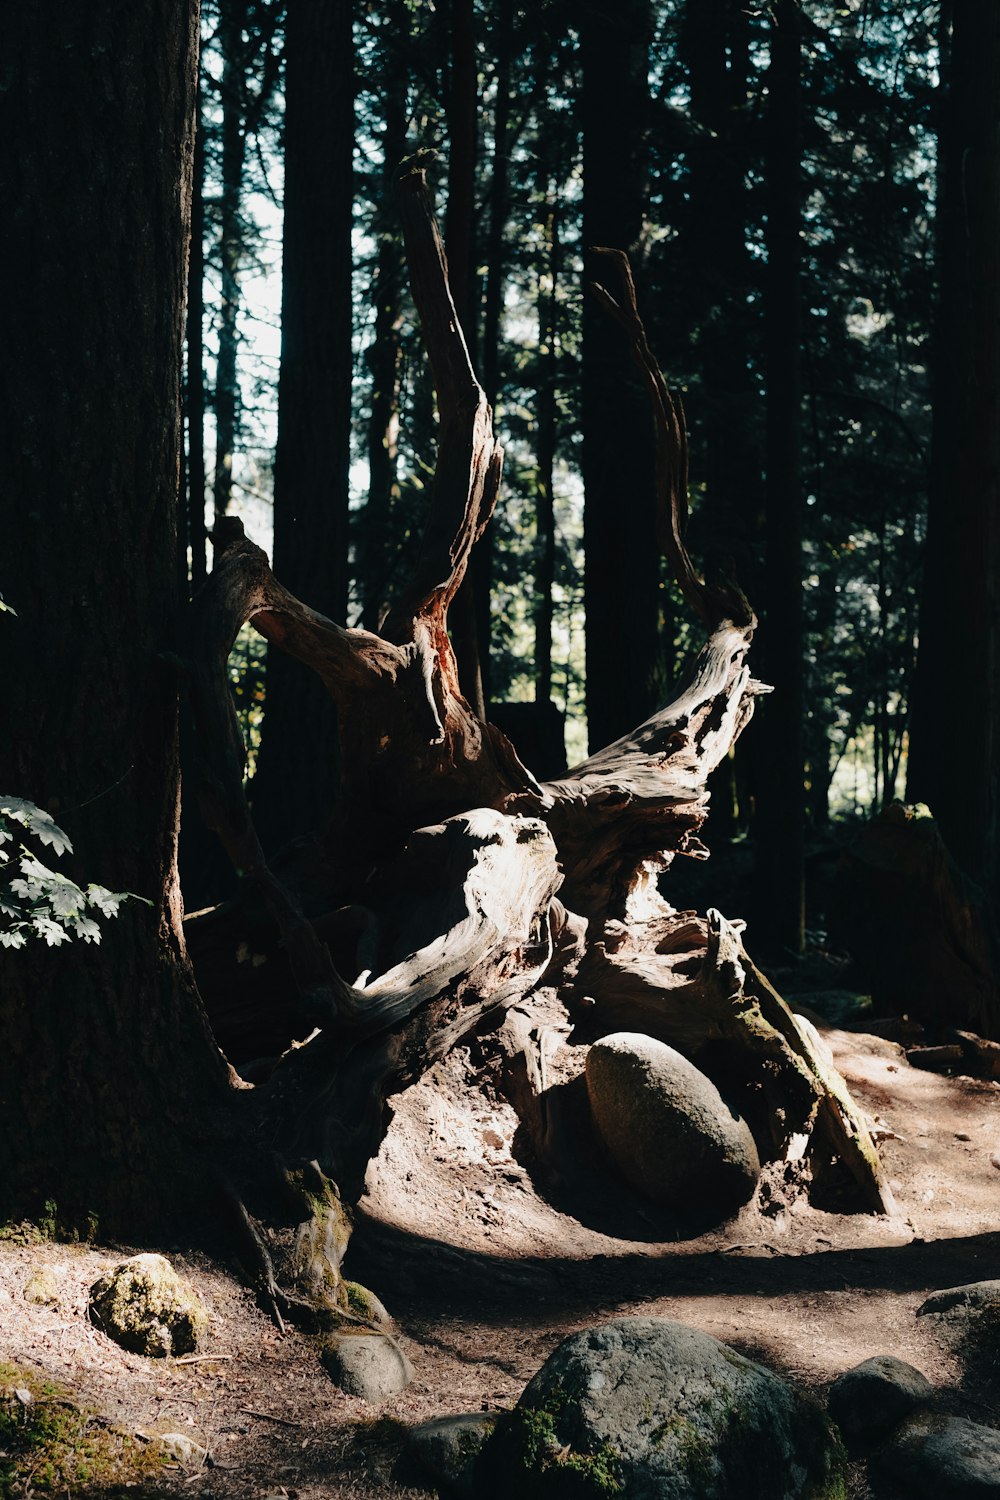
(35,901)
(51,1446)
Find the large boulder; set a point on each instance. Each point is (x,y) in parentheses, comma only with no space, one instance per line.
(147,1308)
(648,1409)
(667,1127)
(942,1458)
(869,1401)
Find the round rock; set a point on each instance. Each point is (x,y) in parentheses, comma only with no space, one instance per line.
(147,1308)
(648,1409)
(942,1458)
(873,1398)
(369,1365)
(447,1449)
(667,1127)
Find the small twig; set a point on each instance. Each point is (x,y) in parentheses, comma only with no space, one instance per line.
(200,1359)
(267,1417)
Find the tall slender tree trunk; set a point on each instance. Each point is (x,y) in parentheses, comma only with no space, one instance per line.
(621,576)
(295,786)
(233,89)
(462,104)
(781,790)
(481,570)
(107,1065)
(384,357)
(954,733)
(196,364)
(545,569)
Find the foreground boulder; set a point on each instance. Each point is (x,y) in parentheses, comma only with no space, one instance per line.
(369,1365)
(667,1127)
(147,1308)
(648,1409)
(942,1458)
(869,1401)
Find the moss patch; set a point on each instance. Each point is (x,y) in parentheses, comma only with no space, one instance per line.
(51,1446)
(544,1465)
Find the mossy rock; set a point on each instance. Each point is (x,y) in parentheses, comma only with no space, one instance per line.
(647,1409)
(51,1446)
(146,1307)
(42,1288)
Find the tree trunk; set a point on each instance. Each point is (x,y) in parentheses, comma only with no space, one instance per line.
(233,89)
(294,790)
(621,576)
(195,386)
(496,280)
(109,1080)
(545,568)
(780,821)
(955,696)
(384,356)
(463,96)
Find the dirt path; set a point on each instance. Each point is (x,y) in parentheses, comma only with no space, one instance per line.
(485,1277)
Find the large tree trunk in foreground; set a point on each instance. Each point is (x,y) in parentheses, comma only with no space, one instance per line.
(110,1087)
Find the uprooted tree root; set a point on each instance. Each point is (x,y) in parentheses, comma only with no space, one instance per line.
(451,882)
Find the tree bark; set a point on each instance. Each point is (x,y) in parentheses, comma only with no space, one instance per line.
(385,353)
(780,820)
(295,786)
(110,1085)
(955,696)
(233,88)
(545,568)
(621,570)
(195,385)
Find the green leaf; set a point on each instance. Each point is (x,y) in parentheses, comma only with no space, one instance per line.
(37,821)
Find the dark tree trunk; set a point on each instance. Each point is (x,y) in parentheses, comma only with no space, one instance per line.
(196,364)
(233,91)
(954,733)
(496,279)
(384,356)
(781,781)
(463,98)
(294,790)
(107,1070)
(545,568)
(621,575)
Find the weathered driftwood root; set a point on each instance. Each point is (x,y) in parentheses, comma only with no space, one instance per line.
(430,906)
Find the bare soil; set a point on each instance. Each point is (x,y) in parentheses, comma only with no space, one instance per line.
(486,1269)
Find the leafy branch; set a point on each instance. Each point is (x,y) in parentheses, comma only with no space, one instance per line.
(35,901)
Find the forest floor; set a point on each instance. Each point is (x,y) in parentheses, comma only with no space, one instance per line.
(485,1274)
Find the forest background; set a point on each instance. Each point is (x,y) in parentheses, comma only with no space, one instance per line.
(783,208)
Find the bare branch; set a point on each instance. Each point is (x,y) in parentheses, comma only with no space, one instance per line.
(715,602)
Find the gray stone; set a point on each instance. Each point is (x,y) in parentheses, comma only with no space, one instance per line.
(962,1299)
(965,1317)
(648,1409)
(446,1451)
(147,1308)
(942,1458)
(667,1127)
(370,1365)
(181,1448)
(873,1398)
